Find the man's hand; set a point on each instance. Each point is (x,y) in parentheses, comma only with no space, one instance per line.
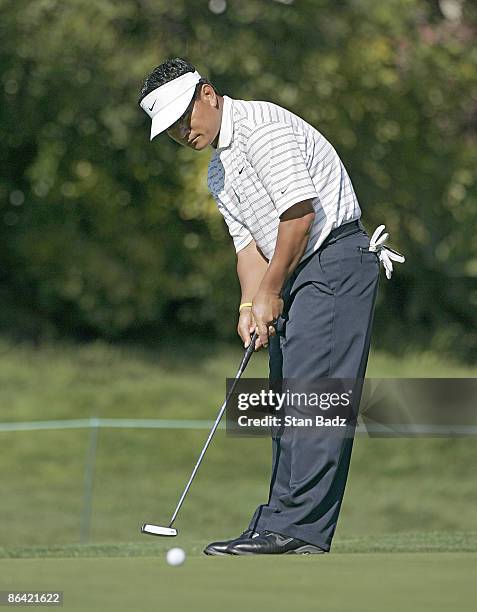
(267,307)
(246,325)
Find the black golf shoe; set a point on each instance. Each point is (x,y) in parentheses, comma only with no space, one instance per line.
(270,543)
(221,548)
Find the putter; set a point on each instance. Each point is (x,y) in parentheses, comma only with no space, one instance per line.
(170,531)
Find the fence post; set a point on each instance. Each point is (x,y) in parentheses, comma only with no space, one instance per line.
(89,470)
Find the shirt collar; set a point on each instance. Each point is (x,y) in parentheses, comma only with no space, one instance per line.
(227,125)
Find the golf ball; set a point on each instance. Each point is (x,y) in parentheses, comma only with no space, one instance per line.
(175,556)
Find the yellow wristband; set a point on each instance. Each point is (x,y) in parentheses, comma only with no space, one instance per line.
(245,305)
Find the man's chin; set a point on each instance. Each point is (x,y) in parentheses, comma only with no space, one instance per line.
(200,143)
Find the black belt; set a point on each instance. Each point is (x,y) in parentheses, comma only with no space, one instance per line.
(340,232)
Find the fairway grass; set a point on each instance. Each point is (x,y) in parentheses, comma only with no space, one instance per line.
(391,582)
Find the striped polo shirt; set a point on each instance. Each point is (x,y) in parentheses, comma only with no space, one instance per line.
(268,159)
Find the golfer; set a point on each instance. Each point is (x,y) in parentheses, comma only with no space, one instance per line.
(308,275)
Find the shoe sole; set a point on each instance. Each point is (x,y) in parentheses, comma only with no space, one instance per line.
(303,550)
(306,550)
(216,554)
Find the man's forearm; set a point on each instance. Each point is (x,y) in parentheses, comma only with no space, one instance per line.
(293,234)
(251,268)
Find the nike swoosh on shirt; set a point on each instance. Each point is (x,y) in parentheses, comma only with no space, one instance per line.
(282,191)
(152,105)
(241,169)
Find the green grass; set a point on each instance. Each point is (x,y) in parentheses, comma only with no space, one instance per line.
(395,485)
(355,581)
(181,380)
(404,496)
(424,542)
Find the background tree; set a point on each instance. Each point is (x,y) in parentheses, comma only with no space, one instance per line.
(105,234)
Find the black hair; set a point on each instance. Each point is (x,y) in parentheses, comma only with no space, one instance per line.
(168,71)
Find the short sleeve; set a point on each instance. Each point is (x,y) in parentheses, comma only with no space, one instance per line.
(239,232)
(274,153)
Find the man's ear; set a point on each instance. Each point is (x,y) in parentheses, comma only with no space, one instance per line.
(208,94)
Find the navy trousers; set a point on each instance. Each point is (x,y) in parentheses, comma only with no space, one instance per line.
(324,332)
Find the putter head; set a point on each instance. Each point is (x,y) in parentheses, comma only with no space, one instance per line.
(168,532)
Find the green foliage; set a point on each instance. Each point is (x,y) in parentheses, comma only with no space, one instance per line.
(105,234)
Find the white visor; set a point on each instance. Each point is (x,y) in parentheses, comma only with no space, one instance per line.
(166,104)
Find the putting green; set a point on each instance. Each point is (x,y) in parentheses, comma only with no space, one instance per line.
(364,582)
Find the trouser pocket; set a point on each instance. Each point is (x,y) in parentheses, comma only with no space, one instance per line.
(348,266)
